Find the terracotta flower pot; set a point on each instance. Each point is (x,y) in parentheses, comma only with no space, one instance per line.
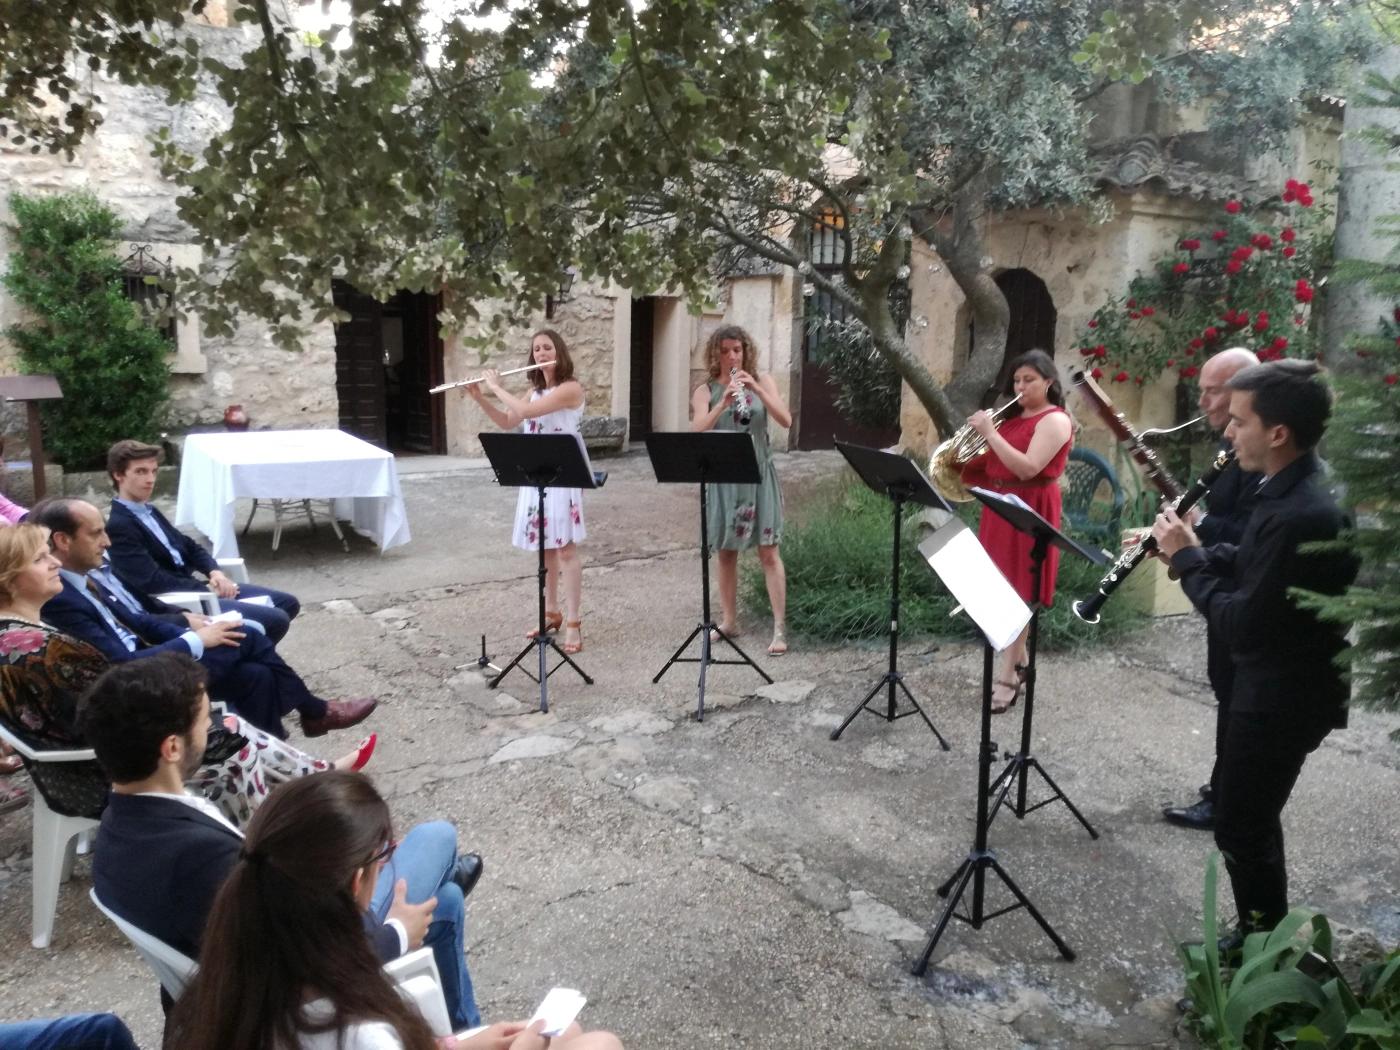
(235,418)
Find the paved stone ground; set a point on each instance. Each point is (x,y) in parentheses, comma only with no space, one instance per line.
(746,881)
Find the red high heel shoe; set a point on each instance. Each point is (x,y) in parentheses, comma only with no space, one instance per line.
(364,752)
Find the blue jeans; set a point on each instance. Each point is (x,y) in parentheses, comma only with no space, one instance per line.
(425,859)
(78,1032)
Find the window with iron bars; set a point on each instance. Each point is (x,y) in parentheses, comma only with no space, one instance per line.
(827,252)
(141,275)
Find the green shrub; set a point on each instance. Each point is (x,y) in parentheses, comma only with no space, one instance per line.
(838,576)
(82,329)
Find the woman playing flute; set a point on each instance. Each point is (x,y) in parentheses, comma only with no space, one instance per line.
(555,406)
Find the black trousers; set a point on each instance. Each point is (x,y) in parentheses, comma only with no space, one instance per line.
(1262,755)
(1220,669)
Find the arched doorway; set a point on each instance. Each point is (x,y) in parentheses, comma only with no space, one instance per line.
(1032,323)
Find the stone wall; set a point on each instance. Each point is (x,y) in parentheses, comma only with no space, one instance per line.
(277,388)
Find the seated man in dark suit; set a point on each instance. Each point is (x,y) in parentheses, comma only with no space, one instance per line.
(244,669)
(151,555)
(162,855)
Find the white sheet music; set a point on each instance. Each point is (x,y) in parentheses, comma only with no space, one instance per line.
(956,555)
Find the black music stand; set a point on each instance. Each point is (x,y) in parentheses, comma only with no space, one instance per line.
(1019,766)
(539,461)
(995,608)
(896,477)
(725,457)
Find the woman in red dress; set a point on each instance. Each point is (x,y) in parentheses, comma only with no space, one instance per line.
(1025,457)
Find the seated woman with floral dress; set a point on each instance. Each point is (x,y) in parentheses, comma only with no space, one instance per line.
(44,672)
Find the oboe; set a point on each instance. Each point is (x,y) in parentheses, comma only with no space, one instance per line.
(478,379)
(1088,609)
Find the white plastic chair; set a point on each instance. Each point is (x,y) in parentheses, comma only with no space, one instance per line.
(56,839)
(419,983)
(206,603)
(284,510)
(173,969)
(235,569)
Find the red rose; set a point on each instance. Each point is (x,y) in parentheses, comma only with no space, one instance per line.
(1289,196)
(1242,253)
(1392,379)
(1137,380)
(1132,304)
(1181,268)
(1280,343)
(1300,320)
(1397,315)
(1190,353)
(1088,351)
(1171,362)
(1121,377)
(1261,324)
(1262,241)
(1097,373)
(1148,311)
(1134,314)
(1289,252)
(1303,291)
(1189,371)
(1197,344)
(1239,320)
(1219,235)
(1291,184)
(1234,266)
(1306,202)
(1211,334)
(1233,207)
(1286,234)
(1190,244)
(1093,323)
(1101,351)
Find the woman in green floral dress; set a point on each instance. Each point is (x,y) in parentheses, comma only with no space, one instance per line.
(736,397)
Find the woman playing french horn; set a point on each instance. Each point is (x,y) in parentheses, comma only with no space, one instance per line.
(1026,453)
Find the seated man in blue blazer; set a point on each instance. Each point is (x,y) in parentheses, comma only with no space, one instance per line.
(162,854)
(151,555)
(245,671)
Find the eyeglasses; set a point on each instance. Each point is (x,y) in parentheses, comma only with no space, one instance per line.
(385,853)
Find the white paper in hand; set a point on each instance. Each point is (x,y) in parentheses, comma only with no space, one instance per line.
(232,616)
(558,1010)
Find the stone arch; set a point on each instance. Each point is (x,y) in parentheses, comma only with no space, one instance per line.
(1032,319)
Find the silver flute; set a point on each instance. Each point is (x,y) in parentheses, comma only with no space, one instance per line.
(478,379)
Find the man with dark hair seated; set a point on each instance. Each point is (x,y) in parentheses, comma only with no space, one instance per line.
(244,668)
(162,854)
(151,555)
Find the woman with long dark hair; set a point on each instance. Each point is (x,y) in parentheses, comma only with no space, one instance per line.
(1025,457)
(285,963)
(555,406)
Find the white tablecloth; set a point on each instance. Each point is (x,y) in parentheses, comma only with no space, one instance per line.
(218,469)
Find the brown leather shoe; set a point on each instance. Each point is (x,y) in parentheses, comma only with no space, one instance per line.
(340,714)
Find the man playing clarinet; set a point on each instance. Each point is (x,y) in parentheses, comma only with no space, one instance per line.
(1231,501)
(1287,692)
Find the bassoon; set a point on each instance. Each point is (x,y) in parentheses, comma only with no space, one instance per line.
(1088,609)
(1141,452)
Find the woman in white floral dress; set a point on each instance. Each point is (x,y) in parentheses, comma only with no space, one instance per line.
(555,406)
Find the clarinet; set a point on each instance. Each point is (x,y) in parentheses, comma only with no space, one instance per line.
(743,405)
(1156,473)
(1088,609)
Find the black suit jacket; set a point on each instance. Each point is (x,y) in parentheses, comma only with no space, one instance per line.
(1230,503)
(142,561)
(159,864)
(1283,655)
(72,613)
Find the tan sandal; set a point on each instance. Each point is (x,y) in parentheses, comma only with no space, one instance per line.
(1002,708)
(553,620)
(574,647)
(778,646)
(728,632)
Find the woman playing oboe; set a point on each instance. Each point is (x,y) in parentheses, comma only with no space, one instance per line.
(1025,458)
(555,406)
(741,516)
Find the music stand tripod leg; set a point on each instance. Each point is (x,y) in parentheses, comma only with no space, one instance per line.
(892,676)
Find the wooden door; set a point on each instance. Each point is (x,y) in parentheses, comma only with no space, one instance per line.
(1033,317)
(820,423)
(642,368)
(422,425)
(359,365)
